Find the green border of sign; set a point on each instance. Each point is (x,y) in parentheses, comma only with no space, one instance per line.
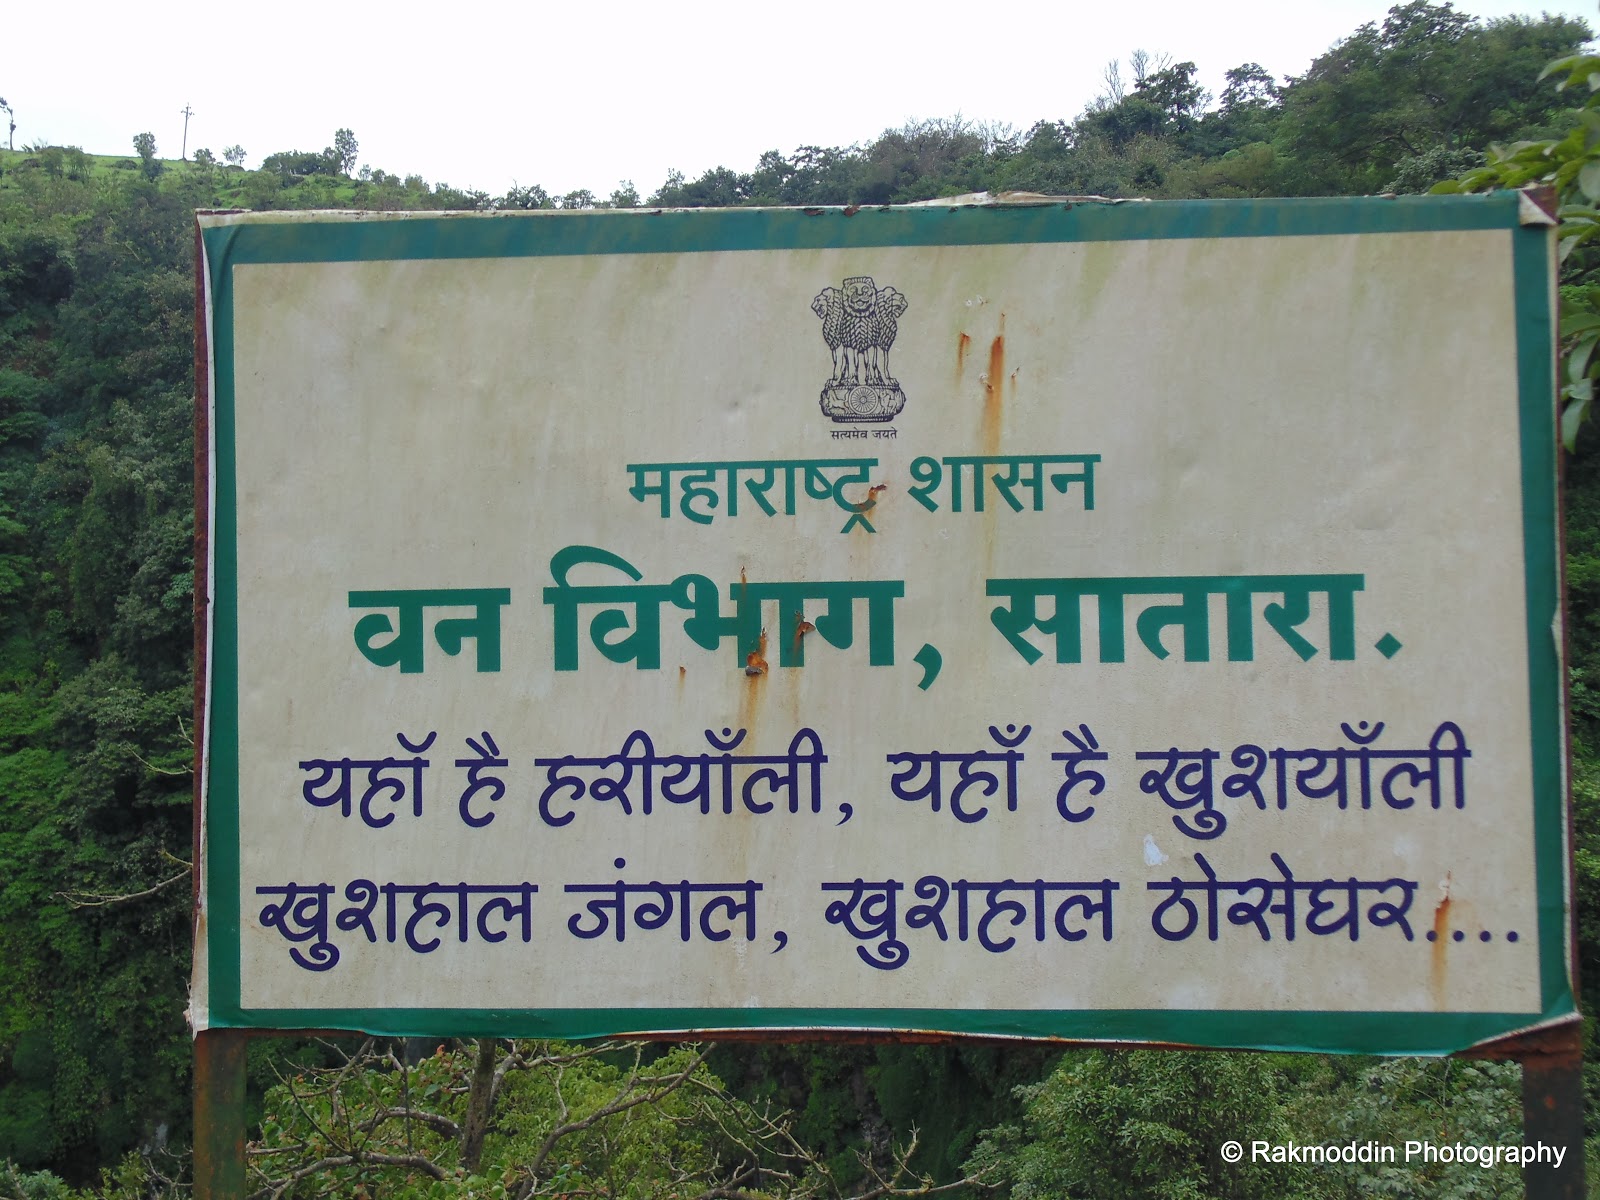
(282,238)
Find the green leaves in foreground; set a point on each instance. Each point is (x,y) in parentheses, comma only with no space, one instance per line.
(1571,165)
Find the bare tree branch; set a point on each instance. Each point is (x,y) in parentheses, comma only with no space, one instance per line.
(101,900)
(628,1099)
(345,1118)
(439,1124)
(415,1162)
(176,772)
(480,1100)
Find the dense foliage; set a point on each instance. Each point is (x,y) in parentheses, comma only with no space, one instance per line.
(1137,1124)
(96,380)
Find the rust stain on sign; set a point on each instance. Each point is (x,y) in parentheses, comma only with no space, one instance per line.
(755,663)
(755,669)
(993,400)
(801,628)
(963,344)
(1439,935)
(873,493)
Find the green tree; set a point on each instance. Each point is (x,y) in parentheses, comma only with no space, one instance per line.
(1175,91)
(924,159)
(145,145)
(292,164)
(1247,116)
(717,188)
(1427,77)
(1146,1125)
(1250,87)
(343,151)
(1570,165)
(1337,1101)
(96,297)
(529,197)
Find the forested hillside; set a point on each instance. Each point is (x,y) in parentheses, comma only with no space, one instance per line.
(96,694)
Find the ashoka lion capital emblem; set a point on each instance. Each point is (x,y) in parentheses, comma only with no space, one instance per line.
(859,323)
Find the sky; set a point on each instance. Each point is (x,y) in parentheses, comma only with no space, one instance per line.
(587,94)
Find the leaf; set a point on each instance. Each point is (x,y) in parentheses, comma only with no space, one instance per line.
(1578,360)
(1589,179)
(1572,417)
(1560,64)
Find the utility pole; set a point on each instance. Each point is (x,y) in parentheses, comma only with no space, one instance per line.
(183,153)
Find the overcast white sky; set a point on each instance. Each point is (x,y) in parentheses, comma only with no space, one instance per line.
(583,94)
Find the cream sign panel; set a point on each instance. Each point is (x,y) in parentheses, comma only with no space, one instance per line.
(1103,622)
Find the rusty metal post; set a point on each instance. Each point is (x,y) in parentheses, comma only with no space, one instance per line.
(1552,1071)
(219,1054)
(1552,1116)
(219,1123)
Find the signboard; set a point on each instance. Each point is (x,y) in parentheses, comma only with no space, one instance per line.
(1131,622)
